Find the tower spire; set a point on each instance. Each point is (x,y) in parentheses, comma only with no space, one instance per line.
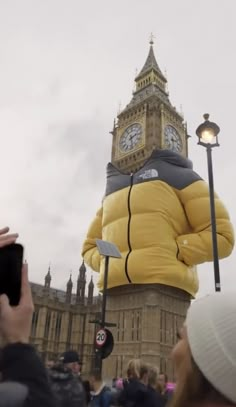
(90,291)
(151,63)
(152,36)
(69,283)
(69,287)
(81,284)
(48,278)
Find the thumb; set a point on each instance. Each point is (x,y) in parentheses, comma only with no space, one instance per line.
(4,302)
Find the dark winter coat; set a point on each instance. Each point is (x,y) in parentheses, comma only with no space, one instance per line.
(25,381)
(134,394)
(68,388)
(154,399)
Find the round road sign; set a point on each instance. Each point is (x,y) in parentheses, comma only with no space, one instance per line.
(101,337)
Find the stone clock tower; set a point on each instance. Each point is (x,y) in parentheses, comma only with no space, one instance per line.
(147,316)
(149,121)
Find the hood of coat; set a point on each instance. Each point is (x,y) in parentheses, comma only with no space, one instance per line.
(171,157)
(159,159)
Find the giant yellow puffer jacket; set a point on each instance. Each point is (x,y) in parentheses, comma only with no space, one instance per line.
(159,218)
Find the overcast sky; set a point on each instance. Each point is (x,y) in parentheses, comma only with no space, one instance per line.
(65,67)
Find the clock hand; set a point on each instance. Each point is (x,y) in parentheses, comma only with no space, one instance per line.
(132,136)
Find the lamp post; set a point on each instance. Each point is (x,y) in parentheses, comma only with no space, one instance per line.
(207,134)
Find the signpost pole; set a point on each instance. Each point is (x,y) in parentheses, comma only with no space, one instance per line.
(103,315)
(104,293)
(103,336)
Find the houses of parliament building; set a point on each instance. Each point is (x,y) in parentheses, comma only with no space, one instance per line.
(61,319)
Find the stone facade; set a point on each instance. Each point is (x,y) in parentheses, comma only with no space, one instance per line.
(61,319)
(147,318)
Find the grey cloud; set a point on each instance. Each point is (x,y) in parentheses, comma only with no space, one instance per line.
(62,90)
(44,215)
(83,142)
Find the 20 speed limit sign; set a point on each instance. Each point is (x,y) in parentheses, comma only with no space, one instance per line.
(101,337)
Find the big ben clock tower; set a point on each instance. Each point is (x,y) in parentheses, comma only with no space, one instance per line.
(149,121)
(147,316)
(150,212)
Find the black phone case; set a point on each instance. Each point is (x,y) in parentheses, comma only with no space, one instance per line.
(11,258)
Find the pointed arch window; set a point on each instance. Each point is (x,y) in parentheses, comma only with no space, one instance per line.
(34,322)
(58,326)
(47,324)
(69,332)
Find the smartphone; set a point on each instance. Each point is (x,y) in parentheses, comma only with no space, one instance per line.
(11,260)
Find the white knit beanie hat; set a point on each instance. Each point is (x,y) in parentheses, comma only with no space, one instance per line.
(211,330)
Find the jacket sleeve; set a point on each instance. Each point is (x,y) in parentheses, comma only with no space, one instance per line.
(20,363)
(89,251)
(196,246)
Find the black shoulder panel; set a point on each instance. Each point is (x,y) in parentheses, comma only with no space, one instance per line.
(115,180)
(176,176)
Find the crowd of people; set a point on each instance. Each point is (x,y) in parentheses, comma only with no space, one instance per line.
(143,385)
(204,359)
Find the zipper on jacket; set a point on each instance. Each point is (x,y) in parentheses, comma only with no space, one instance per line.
(128,230)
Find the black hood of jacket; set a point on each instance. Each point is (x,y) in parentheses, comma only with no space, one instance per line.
(162,165)
(171,157)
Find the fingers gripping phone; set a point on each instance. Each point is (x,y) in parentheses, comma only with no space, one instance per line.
(11,259)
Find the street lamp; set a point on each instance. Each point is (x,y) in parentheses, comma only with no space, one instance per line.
(207,134)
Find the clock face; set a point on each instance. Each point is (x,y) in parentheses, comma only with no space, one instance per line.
(131,137)
(172,139)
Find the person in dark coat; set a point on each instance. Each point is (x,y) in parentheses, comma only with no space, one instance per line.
(67,387)
(66,382)
(24,379)
(135,391)
(154,399)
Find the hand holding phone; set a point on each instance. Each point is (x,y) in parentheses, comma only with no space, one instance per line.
(15,322)
(11,259)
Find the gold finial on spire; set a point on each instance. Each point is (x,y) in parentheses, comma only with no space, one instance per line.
(151,42)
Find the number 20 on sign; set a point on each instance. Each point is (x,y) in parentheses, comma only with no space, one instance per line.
(101,337)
